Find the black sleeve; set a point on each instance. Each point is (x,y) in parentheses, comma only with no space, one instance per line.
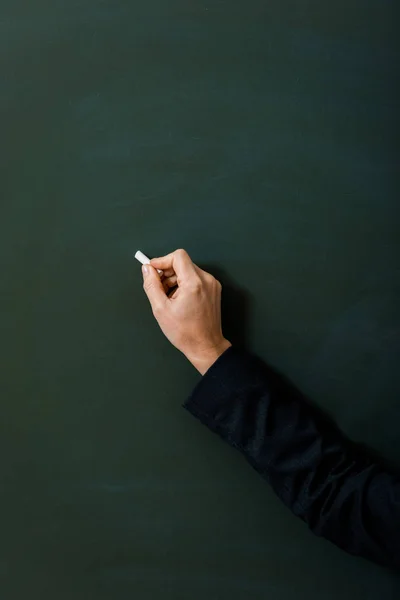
(328,482)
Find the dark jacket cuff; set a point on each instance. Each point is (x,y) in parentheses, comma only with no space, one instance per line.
(228,377)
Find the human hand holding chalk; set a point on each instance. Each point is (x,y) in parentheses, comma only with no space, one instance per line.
(191,317)
(142,258)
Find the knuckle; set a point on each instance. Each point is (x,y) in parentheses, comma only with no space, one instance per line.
(213,281)
(196,285)
(156,308)
(147,285)
(181,252)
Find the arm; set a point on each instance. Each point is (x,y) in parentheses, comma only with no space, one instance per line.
(341,494)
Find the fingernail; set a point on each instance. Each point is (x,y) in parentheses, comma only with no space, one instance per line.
(145,270)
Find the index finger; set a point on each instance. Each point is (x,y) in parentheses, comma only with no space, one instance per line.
(179,261)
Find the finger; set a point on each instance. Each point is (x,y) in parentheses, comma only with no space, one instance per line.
(171,282)
(165,261)
(154,288)
(169,273)
(179,261)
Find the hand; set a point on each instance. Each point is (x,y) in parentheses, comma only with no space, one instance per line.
(190,317)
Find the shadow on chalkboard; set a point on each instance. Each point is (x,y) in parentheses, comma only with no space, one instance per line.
(284,388)
(235,308)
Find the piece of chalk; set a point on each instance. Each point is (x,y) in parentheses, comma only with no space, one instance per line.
(142,258)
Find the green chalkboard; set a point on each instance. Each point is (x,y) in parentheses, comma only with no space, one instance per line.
(262,137)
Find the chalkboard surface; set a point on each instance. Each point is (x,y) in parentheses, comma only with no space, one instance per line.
(261,137)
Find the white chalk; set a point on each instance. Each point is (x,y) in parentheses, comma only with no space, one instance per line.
(142,258)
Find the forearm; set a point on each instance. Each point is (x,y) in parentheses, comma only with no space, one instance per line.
(312,468)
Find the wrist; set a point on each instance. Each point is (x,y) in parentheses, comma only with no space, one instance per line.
(203,360)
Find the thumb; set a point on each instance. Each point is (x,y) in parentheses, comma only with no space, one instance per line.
(153,287)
